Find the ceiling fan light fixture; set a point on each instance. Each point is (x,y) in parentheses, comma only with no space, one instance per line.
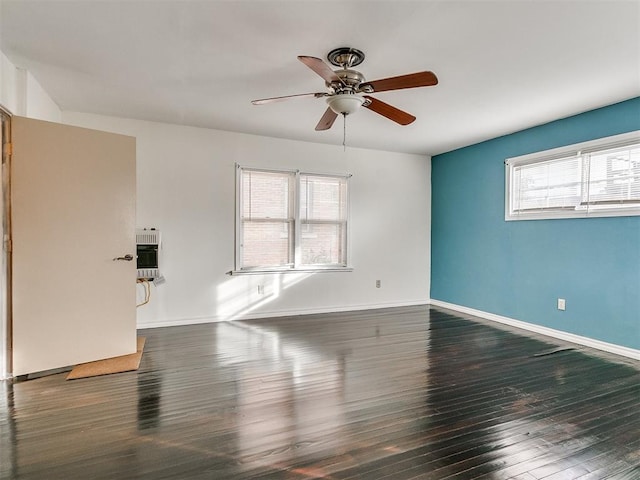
(345,104)
(347,89)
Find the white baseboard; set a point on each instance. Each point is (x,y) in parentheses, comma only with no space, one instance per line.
(176,322)
(550,332)
(277,313)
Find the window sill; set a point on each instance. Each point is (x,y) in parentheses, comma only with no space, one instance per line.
(559,214)
(264,271)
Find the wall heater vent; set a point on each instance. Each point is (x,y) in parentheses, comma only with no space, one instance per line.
(148,253)
(148,237)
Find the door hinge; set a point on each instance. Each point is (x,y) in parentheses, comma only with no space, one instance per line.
(8,246)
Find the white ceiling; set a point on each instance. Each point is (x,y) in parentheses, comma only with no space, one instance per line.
(502,65)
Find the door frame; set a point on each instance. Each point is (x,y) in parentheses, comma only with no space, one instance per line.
(6,337)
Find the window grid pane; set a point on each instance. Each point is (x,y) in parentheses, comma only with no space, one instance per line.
(545,185)
(266,244)
(266,195)
(323,243)
(614,177)
(322,198)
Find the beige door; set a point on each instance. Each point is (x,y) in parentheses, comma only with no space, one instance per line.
(73,212)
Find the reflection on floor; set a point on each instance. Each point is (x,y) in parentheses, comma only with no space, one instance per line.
(403,393)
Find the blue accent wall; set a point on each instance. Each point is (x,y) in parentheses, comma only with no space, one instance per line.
(519,269)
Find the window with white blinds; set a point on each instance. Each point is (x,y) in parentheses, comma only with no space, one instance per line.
(267,220)
(323,220)
(290,220)
(591,179)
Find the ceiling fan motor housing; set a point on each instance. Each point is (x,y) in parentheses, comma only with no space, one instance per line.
(351,80)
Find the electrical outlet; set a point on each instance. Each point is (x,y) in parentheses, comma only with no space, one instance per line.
(562,304)
(260,289)
(377,283)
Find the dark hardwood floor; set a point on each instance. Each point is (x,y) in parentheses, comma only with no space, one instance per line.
(397,394)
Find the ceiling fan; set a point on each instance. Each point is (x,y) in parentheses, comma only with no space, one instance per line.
(347,89)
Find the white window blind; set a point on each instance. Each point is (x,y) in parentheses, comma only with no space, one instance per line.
(598,178)
(267,219)
(288,220)
(554,184)
(323,218)
(614,178)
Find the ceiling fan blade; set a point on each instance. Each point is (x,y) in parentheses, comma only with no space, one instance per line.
(389,111)
(321,68)
(412,80)
(262,101)
(327,120)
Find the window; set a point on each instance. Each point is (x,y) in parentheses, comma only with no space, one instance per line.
(600,178)
(289,220)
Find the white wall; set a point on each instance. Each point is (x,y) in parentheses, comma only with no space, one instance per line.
(39,104)
(186,188)
(12,95)
(21,94)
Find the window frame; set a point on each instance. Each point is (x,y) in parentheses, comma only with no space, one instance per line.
(297,225)
(583,152)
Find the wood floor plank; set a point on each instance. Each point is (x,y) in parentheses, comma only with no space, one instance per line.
(395,394)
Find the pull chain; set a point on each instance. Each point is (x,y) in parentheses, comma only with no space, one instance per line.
(344,132)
